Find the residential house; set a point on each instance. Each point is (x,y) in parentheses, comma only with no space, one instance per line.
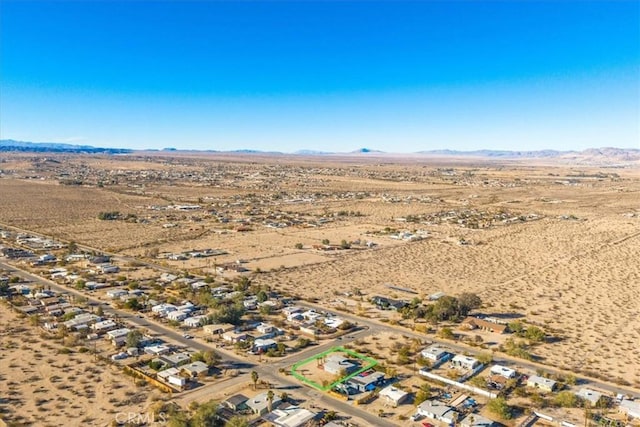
(234,337)
(195,321)
(172,376)
(336,364)
(466,363)
(366,381)
(476,420)
(262,345)
(157,349)
(195,369)
(542,383)
(292,416)
(265,328)
(591,396)
(116,293)
(218,328)
(436,354)
(630,407)
(176,359)
(291,310)
(394,395)
(177,315)
(483,324)
(108,268)
(104,326)
(503,371)
(438,411)
(260,405)
(237,402)
(118,336)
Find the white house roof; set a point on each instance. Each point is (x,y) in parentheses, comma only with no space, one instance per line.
(589,395)
(118,333)
(435,409)
(292,417)
(259,402)
(393,393)
(168,372)
(503,370)
(631,407)
(464,360)
(433,352)
(476,420)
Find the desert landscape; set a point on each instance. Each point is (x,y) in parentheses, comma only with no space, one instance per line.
(547,243)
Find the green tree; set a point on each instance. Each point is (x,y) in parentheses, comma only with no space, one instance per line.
(423,394)
(299,246)
(133,304)
(133,338)
(206,415)
(534,334)
(254,379)
(499,407)
(468,301)
(262,296)
(484,358)
(516,327)
(566,399)
(270,397)
(446,333)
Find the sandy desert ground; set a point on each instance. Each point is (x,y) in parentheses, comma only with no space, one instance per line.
(41,386)
(572,269)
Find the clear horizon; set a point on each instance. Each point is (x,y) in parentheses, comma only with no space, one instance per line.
(399,77)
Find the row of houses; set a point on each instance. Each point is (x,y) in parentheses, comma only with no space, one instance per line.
(277,412)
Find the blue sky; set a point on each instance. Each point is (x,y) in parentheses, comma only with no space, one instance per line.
(329,75)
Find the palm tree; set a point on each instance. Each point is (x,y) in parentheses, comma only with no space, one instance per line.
(270,399)
(254,378)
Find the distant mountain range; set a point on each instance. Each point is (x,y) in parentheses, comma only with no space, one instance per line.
(55,147)
(590,155)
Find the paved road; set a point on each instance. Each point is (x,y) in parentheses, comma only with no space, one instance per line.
(267,371)
(503,359)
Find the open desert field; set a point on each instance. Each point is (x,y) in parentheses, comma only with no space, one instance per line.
(555,244)
(43,385)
